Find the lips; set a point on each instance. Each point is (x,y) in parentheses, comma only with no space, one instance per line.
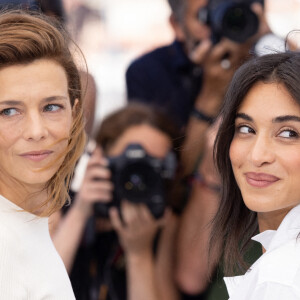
(260,179)
(36,155)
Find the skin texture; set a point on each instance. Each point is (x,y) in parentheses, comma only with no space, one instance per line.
(265,153)
(35,115)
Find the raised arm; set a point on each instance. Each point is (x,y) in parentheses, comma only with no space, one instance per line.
(70,227)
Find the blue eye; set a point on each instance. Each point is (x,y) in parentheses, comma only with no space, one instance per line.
(52,107)
(9,112)
(288,133)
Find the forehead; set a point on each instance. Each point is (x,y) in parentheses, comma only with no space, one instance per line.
(269,99)
(195,5)
(155,142)
(39,78)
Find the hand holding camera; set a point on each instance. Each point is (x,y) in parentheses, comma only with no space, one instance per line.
(235,26)
(139,178)
(137,228)
(96,185)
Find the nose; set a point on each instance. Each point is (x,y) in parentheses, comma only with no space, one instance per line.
(262,151)
(34,128)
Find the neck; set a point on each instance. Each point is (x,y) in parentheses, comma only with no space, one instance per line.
(27,197)
(271,220)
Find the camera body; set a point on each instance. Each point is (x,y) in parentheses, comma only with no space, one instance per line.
(233,19)
(139,178)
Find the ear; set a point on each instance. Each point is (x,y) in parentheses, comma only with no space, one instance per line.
(177,27)
(74,108)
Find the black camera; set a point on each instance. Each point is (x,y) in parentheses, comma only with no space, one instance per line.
(232,19)
(139,177)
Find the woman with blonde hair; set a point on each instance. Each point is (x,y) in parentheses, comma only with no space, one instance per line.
(41,138)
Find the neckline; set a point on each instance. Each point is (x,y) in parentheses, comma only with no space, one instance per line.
(7,206)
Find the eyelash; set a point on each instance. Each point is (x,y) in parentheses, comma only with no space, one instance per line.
(3,112)
(52,105)
(294,132)
(6,110)
(296,135)
(238,129)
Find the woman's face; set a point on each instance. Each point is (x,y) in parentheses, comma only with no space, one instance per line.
(35,122)
(265,150)
(155,142)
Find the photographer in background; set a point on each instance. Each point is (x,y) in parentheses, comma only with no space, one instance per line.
(90,248)
(188,79)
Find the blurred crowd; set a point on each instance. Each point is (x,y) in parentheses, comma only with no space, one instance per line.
(146,190)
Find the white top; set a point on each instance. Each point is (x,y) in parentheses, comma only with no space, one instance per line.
(276,274)
(30,267)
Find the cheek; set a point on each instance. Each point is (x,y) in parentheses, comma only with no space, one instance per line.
(234,154)
(290,162)
(62,128)
(8,137)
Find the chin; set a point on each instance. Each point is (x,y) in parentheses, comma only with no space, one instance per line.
(260,204)
(38,178)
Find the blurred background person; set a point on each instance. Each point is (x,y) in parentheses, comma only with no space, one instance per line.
(188,78)
(85,238)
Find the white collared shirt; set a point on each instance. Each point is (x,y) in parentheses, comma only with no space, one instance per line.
(276,274)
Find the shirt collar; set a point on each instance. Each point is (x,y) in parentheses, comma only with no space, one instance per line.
(265,238)
(289,229)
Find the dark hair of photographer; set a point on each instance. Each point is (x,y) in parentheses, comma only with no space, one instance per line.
(135,114)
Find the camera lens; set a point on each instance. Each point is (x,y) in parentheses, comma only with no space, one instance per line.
(235,21)
(239,23)
(136,181)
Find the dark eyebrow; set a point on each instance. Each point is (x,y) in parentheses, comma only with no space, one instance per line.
(244,116)
(279,119)
(286,118)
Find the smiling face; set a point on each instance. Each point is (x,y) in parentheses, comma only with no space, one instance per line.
(35,123)
(265,150)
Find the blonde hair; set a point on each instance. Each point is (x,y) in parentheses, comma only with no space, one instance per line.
(28,36)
